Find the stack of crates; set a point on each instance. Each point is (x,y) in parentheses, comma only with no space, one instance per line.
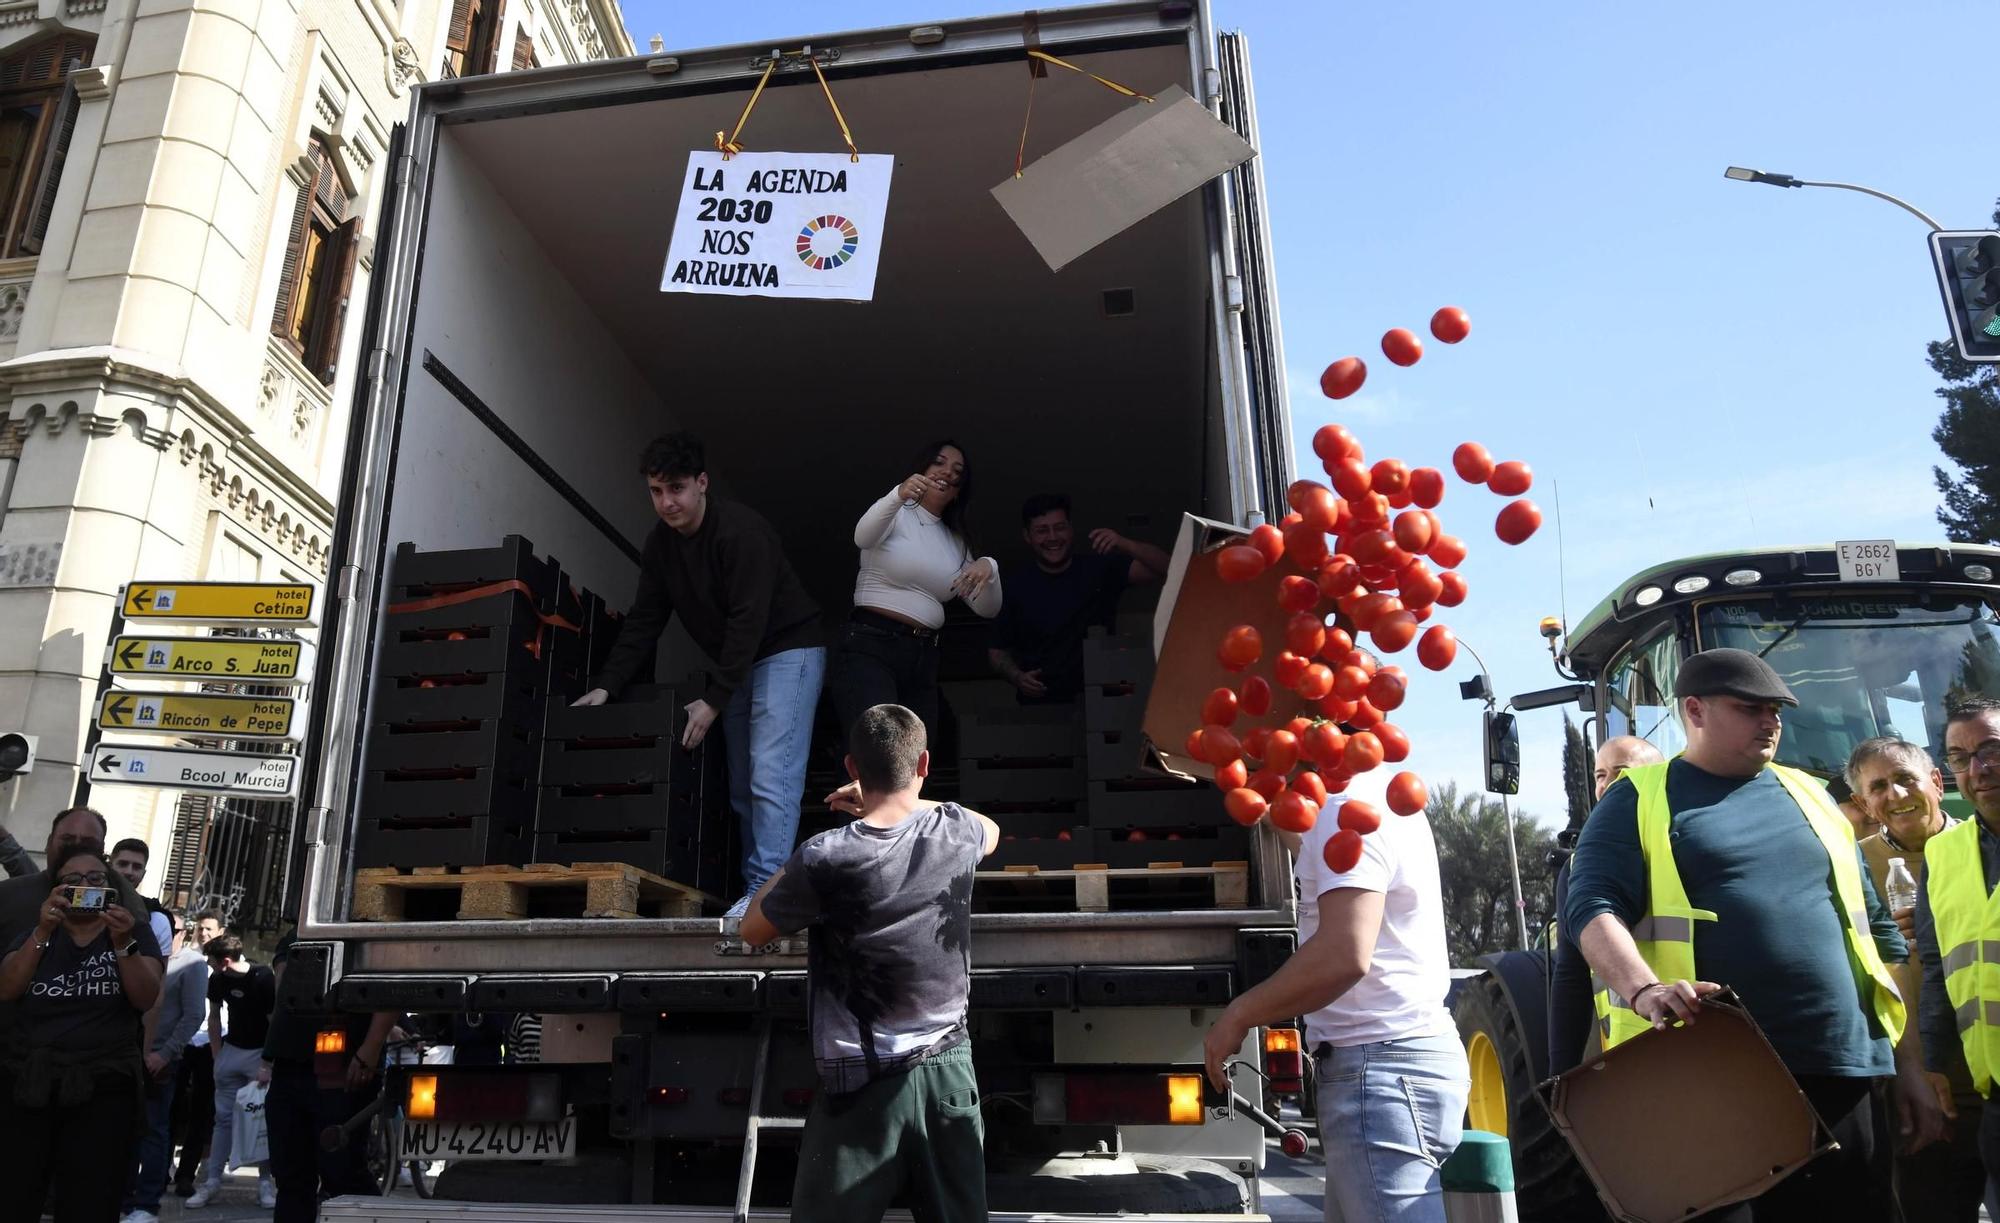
(462,675)
(1023,765)
(1130,810)
(616,786)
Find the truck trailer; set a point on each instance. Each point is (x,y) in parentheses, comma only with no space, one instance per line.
(520,352)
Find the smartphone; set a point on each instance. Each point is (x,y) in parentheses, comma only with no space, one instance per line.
(90,899)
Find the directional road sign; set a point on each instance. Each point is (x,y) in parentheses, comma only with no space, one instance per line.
(221,602)
(259,660)
(199,714)
(181,769)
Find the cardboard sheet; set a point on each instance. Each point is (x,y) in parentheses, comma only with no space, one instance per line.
(1196,608)
(1677,1122)
(1119,173)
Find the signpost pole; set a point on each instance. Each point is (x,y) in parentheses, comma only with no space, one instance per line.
(104,684)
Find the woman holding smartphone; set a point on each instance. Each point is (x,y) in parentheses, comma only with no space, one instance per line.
(70,1074)
(914,560)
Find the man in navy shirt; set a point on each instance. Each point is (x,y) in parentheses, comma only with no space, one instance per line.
(1051,604)
(1750,857)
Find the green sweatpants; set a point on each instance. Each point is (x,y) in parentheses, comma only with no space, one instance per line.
(918,1131)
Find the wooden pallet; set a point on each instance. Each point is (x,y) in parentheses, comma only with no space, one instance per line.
(1092,887)
(585,889)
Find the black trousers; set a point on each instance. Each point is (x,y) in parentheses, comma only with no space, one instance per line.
(1850,1184)
(296,1112)
(86,1151)
(876,664)
(193,1118)
(1946,1181)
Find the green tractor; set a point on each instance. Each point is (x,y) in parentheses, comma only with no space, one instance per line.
(1874,638)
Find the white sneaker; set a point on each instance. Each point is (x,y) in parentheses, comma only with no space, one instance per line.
(203,1194)
(267,1193)
(141,1216)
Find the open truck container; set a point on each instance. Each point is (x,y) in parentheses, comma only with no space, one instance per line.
(520,352)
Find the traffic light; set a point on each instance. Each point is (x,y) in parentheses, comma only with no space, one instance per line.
(17,753)
(1503,754)
(1968,269)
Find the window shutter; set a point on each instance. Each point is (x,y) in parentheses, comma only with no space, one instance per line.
(458,35)
(42,210)
(524,51)
(346,251)
(295,253)
(184,860)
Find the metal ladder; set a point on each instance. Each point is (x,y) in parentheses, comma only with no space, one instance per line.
(758,1123)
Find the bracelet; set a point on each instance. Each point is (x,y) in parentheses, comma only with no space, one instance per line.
(1644,988)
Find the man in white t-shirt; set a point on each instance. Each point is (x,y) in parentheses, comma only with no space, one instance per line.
(1370,977)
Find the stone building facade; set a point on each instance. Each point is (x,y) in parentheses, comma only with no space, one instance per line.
(187,190)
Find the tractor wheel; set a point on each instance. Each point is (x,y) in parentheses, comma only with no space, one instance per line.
(1549,1185)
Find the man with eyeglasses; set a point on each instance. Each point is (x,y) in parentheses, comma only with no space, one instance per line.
(75,830)
(1958,919)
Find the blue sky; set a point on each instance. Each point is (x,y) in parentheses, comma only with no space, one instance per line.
(1698,364)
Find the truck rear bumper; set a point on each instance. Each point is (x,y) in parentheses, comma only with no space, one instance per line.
(397,1210)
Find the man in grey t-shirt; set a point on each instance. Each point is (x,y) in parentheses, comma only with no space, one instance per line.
(888,900)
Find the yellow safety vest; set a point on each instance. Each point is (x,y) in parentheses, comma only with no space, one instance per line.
(1968,935)
(1665,935)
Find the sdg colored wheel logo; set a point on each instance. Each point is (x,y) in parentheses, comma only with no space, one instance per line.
(827,242)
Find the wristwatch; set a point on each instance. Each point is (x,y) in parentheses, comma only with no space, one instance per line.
(129,949)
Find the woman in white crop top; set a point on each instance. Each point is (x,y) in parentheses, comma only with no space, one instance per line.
(914,560)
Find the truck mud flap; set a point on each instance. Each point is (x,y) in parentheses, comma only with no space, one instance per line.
(542,993)
(1015,989)
(307,985)
(365,992)
(1154,986)
(1259,953)
(673,991)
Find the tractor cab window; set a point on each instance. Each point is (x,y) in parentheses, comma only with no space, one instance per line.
(1864,664)
(1641,692)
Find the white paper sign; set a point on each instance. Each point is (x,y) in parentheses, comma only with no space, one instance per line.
(779,225)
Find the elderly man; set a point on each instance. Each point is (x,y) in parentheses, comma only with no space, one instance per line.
(1899,788)
(1958,920)
(1723,865)
(1569,1004)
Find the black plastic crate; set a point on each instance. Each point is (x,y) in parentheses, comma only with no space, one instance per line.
(421,573)
(1153,804)
(439,795)
(478,841)
(1029,732)
(1116,755)
(614,763)
(639,809)
(1114,707)
(1189,845)
(705,863)
(1055,781)
(512,699)
(1116,660)
(644,711)
(507,614)
(512,748)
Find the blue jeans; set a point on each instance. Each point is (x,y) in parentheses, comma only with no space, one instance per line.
(767,731)
(149,1179)
(1390,1114)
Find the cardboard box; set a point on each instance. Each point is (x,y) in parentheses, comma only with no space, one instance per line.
(1678,1122)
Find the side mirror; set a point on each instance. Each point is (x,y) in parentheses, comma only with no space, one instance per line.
(1503,754)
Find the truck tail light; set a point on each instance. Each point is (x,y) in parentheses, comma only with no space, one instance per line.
(1285,1060)
(669,1096)
(484,1096)
(1118,1098)
(799,1097)
(333,1040)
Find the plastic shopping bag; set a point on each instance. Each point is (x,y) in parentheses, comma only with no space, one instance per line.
(252,1139)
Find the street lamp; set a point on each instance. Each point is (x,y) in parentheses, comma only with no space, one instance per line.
(1483,691)
(1743,174)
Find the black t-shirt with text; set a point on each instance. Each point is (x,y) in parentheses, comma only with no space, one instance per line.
(1046,615)
(76,998)
(250,996)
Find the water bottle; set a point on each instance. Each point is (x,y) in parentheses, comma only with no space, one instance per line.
(1902,887)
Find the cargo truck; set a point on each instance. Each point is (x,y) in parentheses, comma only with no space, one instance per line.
(519,351)
(1874,636)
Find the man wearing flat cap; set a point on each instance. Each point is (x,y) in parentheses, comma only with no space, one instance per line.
(1720,866)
